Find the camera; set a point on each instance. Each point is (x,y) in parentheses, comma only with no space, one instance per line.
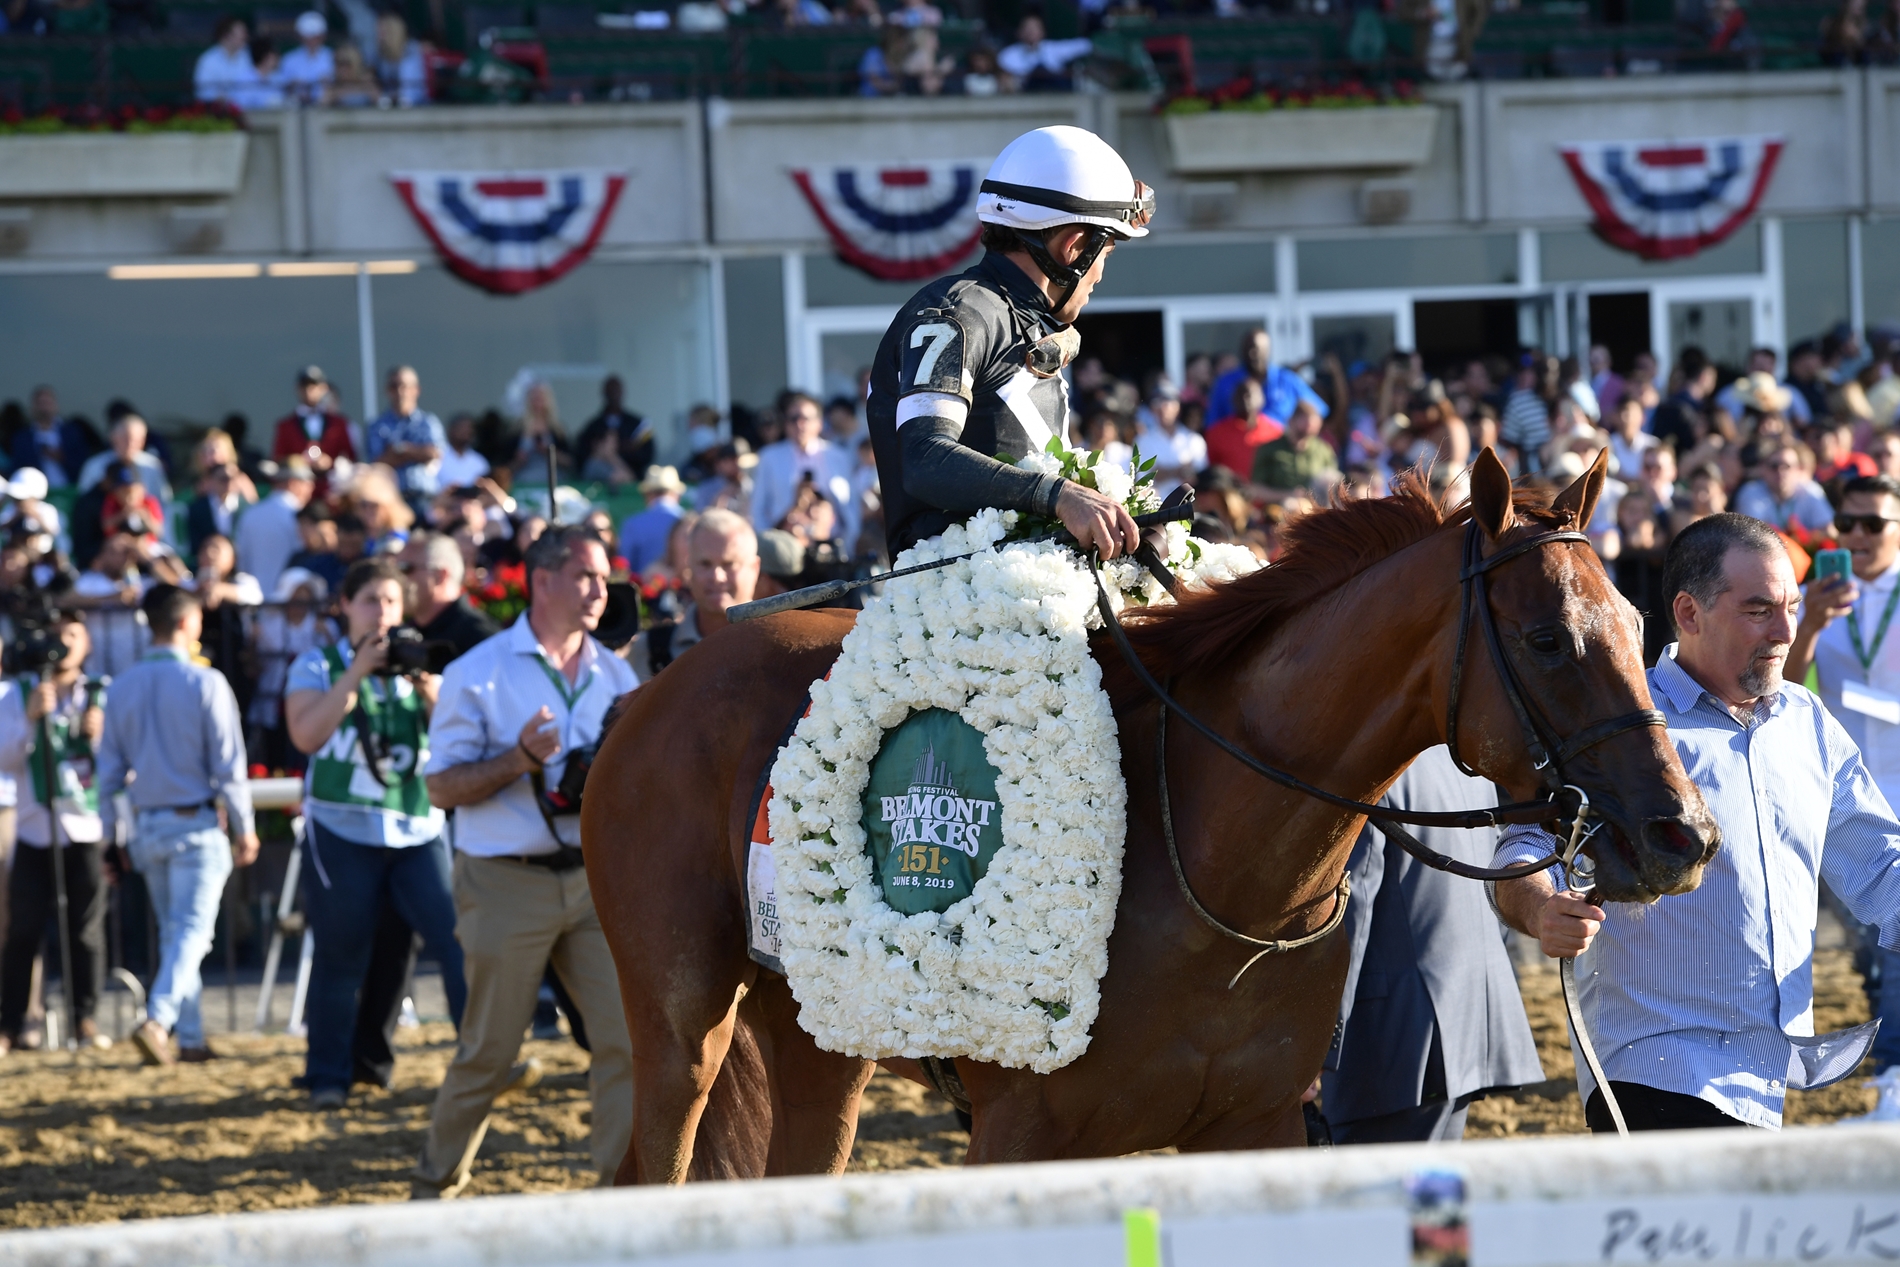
(36,645)
(27,533)
(411,654)
(620,622)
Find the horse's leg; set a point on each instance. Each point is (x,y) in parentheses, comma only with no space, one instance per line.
(815,1094)
(680,1040)
(1011,1120)
(1286,1129)
(735,1131)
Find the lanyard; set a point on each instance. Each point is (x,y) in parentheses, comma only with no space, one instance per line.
(570,696)
(1866,654)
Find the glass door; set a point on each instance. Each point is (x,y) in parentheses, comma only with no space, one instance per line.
(1351,325)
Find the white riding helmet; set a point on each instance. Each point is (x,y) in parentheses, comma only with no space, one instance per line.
(1064,175)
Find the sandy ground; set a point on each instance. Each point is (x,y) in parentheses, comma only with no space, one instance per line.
(95,1137)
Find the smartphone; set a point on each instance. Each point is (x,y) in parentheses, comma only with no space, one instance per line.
(1833,565)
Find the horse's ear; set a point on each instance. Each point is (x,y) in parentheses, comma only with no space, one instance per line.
(1491,495)
(1579,501)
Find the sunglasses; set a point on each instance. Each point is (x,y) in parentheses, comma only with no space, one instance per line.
(1872,525)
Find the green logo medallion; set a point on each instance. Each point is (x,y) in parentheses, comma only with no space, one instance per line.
(931,818)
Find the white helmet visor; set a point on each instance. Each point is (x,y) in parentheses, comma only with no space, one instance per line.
(1029,207)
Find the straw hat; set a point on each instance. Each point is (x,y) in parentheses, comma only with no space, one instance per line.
(1760,392)
(662,479)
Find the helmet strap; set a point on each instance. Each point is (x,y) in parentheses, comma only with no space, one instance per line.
(1065,277)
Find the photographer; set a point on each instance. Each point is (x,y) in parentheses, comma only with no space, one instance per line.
(372,830)
(67,703)
(518,718)
(440,613)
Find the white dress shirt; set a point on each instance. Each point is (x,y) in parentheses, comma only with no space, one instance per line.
(305,74)
(267,535)
(1711,993)
(222,76)
(461,470)
(781,467)
(1179,449)
(487,696)
(1023,60)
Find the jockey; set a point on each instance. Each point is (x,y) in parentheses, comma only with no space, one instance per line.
(968,378)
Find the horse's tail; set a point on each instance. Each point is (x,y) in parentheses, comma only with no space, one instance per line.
(735,1131)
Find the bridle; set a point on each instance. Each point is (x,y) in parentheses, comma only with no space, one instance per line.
(1549,755)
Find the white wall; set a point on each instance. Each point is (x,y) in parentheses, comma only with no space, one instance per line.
(1819,113)
(1814,1194)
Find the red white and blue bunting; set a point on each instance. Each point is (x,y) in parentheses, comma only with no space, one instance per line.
(1665,200)
(509,232)
(898,224)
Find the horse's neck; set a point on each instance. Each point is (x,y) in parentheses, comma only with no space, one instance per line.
(1344,695)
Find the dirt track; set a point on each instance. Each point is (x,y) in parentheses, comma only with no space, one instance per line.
(99,1138)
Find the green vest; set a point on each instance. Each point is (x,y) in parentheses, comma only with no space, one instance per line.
(340,772)
(72,763)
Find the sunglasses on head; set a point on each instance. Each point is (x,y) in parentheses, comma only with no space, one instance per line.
(1872,525)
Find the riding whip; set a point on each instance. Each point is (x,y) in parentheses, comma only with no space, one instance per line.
(816,595)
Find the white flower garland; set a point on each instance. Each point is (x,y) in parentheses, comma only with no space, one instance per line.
(1011,973)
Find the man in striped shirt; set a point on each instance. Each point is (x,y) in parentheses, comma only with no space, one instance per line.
(1702,1005)
(1526,422)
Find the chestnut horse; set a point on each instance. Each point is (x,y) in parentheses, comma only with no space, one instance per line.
(1335,663)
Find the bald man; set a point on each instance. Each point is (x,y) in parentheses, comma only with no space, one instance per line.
(722,571)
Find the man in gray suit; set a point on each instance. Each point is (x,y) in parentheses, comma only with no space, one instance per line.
(1431,1018)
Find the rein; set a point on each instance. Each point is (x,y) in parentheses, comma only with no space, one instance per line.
(1548,756)
(1474,601)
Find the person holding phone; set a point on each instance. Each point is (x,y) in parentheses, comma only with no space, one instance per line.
(1846,632)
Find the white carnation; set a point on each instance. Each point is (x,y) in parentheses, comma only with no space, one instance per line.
(990,976)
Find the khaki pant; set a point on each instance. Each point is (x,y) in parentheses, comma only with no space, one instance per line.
(512,919)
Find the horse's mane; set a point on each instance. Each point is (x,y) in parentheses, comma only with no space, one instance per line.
(1324,550)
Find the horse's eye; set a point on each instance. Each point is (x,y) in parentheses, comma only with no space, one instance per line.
(1545,642)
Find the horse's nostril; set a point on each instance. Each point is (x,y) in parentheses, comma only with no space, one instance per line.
(1674,839)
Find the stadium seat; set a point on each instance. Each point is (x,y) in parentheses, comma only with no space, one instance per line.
(1582,61)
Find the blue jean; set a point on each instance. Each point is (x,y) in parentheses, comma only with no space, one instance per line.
(185,859)
(345,891)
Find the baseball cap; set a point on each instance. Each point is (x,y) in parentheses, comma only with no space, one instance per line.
(1164,389)
(310,373)
(780,554)
(310,25)
(27,485)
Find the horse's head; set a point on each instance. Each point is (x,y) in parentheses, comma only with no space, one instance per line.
(1575,648)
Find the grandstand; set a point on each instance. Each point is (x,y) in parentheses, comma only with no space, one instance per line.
(111,54)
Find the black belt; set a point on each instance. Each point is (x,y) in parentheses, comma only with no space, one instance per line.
(566,858)
(183,811)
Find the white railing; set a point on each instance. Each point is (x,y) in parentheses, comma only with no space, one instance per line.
(1820,1194)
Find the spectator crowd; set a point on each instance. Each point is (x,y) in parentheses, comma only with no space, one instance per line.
(350,604)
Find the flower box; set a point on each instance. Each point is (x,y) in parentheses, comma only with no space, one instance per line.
(122,164)
(1311,139)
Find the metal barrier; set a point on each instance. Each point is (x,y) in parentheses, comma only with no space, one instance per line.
(1824,1194)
